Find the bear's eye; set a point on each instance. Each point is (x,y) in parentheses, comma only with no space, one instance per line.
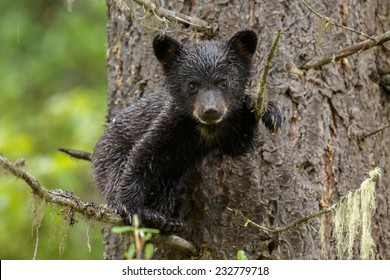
(193,87)
(223,83)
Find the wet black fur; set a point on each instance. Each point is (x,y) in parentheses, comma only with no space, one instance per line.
(140,161)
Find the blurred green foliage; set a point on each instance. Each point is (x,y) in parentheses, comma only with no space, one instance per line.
(52,94)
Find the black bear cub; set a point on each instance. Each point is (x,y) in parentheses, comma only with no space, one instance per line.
(141,160)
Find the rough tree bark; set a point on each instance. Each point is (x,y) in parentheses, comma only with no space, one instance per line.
(315,158)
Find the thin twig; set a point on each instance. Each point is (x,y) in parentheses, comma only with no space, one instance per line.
(303,220)
(261,92)
(249,221)
(76,153)
(330,21)
(376,131)
(282,228)
(374,176)
(317,63)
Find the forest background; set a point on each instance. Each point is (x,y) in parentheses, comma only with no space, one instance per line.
(52,94)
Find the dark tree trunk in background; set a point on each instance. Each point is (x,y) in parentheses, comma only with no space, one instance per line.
(313,160)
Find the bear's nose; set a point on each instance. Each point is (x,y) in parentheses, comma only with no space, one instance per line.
(211,114)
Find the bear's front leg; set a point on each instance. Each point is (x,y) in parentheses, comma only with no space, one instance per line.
(145,185)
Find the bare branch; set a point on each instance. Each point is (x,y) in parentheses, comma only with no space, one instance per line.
(98,213)
(374,177)
(332,22)
(303,220)
(169,15)
(317,63)
(89,210)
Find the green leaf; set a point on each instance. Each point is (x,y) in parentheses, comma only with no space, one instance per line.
(148,236)
(148,251)
(122,229)
(131,251)
(241,255)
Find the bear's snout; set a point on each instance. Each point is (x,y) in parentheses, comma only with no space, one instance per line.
(210,108)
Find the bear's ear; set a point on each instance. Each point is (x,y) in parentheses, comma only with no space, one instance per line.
(244,44)
(166,49)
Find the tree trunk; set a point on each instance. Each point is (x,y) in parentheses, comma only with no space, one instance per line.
(317,155)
